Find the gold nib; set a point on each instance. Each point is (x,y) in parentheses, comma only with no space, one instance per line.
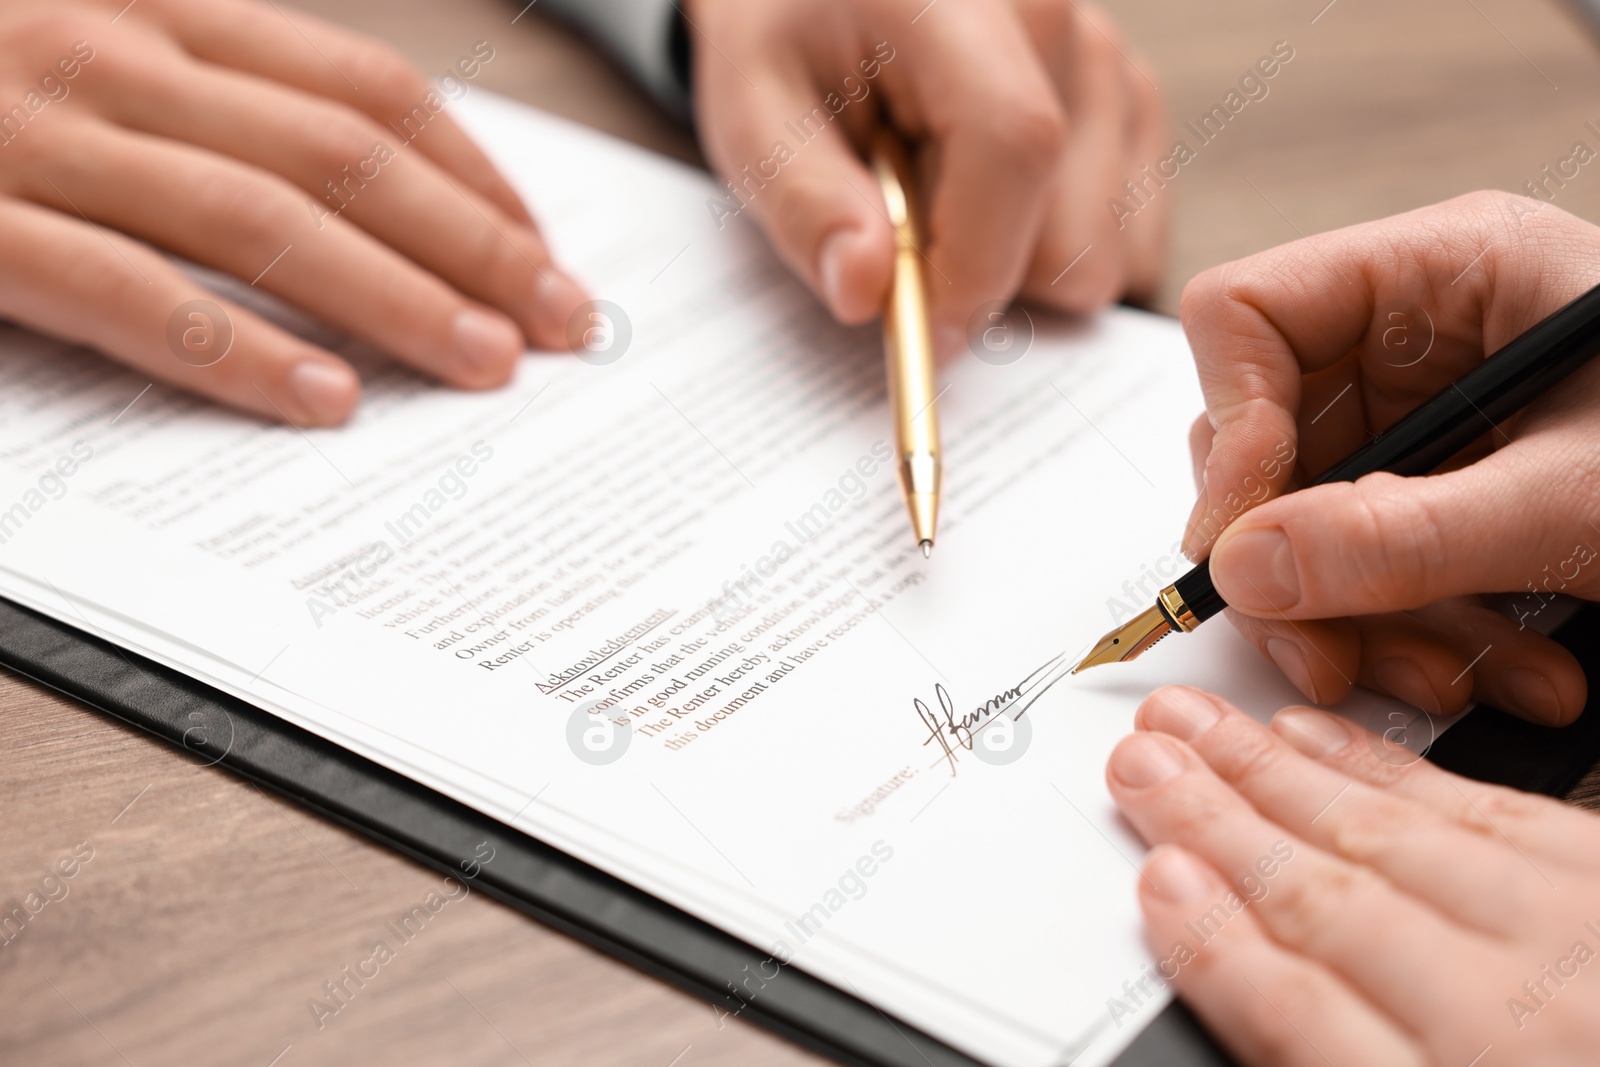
(927,549)
(1129,640)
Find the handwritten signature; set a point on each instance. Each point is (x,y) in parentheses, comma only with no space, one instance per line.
(953,732)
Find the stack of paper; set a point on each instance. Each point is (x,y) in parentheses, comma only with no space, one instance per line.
(661,608)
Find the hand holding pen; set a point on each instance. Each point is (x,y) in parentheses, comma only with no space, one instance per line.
(1322,343)
(1030,148)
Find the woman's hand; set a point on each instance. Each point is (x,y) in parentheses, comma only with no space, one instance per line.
(1031,116)
(1304,352)
(1315,903)
(301,158)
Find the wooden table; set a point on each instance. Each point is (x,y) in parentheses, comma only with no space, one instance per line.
(211,912)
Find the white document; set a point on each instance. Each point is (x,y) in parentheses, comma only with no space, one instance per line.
(665,612)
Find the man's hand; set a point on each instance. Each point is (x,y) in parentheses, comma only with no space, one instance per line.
(1318,896)
(314,163)
(1304,352)
(1030,114)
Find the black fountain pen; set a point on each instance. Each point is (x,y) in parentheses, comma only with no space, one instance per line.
(1476,403)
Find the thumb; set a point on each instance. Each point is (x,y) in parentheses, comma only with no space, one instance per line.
(789,162)
(1387,543)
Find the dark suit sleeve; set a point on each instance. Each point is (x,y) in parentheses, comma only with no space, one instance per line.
(648,37)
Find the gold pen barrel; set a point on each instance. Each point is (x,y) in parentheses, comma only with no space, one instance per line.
(908,350)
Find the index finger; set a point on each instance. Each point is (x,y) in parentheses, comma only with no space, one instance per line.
(1271,330)
(1542,828)
(302,51)
(996,132)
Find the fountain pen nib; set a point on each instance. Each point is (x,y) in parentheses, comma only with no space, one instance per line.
(927,549)
(1129,640)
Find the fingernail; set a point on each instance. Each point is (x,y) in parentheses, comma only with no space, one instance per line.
(555,298)
(1176,875)
(1180,711)
(1292,662)
(483,343)
(1403,679)
(830,269)
(949,340)
(1533,694)
(1311,733)
(326,391)
(1265,560)
(1141,761)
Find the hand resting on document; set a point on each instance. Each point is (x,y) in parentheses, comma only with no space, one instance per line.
(309,161)
(1320,896)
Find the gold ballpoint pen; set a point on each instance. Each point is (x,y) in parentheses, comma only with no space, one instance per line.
(908,347)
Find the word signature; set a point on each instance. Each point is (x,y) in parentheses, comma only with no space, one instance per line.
(953,732)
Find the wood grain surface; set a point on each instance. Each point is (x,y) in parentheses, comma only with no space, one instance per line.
(211,912)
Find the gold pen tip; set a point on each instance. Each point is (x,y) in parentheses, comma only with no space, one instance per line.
(1129,640)
(927,549)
